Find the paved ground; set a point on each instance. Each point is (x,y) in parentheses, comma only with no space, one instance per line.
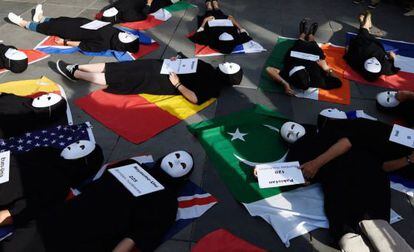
(265,20)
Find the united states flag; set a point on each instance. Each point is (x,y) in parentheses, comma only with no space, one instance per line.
(57,137)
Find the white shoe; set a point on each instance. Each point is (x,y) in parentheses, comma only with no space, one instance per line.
(38,14)
(410,13)
(14,18)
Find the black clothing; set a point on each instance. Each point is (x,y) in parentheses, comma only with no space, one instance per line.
(354,184)
(404,110)
(17,115)
(318,77)
(106,212)
(143,76)
(136,10)
(210,35)
(363,47)
(41,178)
(105,38)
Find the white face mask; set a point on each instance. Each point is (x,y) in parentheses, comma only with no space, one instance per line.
(177,164)
(372,65)
(388,99)
(229,68)
(292,131)
(46,100)
(333,113)
(77,150)
(111,12)
(13,54)
(226,37)
(126,37)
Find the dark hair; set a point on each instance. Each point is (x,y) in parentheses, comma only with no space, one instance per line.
(230,79)
(117,45)
(300,79)
(54,112)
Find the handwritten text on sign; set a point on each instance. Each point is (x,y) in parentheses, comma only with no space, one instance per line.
(280,174)
(138,181)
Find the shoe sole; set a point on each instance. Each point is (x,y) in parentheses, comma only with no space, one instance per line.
(63,73)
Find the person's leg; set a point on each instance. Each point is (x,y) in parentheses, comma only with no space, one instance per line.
(216,5)
(311,37)
(96,78)
(92,68)
(209,5)
(312,31)
(303,29)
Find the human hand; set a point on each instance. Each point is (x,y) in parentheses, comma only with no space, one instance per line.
(310,168)
(174,58)
(59,41)
(392,55)
(288,90)
(149,2)
(322,64)
(174,79)
(230,17)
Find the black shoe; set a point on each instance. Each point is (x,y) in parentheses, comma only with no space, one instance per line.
(313,29)
(67,70)
(372,6)
(357,1)
(303,26)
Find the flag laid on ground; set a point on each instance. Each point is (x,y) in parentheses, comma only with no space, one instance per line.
(248,47)
(340,95)
(222,240)
(156,18)
(239,141)
(403,80)
(402,184)
(147,45)
(137,118)
(34,88)
(33,56)
(57,137)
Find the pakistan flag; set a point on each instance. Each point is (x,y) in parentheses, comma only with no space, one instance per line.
(236,143)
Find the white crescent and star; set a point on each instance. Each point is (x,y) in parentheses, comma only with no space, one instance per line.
(237,135)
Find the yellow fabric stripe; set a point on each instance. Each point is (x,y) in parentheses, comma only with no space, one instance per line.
(176,105)
(29,87)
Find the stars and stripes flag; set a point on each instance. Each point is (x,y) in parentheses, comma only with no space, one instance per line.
(57,137)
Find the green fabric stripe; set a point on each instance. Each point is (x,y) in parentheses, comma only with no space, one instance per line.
(261,145)
(276,60)
(179,6)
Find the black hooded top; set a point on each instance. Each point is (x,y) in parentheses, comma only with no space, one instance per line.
(3,50)
(17,115)
(105,38)
(136,10)
(210,35)
(143,76)
(106,212)
(41,178)
(363,47)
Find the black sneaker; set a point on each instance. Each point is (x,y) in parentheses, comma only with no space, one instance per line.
(373,6)
(303,26)
(67,70)
(357,1)
(313,29)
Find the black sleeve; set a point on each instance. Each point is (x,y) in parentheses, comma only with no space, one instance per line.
(244,38)
(147,232)
(146,10)
(200,38)
(205,91)
(91,46)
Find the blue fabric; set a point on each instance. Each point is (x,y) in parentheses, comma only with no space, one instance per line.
(32,26)
(401,180)
(399,47)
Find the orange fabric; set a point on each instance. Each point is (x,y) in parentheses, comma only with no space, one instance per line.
(334,59)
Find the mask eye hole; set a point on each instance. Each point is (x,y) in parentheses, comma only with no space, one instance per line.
(293,126)
(184,165)
(170,164)
(69,148)
(49,98)
(388,99)
(82,147)
(77,142)
(288,135)
(297,134)
(177,155)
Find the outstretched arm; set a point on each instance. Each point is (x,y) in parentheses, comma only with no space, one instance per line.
(397,164)
(312,167)
(274,73)
(187,93)
(61,41)
(126,245)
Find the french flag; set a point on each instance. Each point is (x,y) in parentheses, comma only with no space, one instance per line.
(404,60)
(147,45)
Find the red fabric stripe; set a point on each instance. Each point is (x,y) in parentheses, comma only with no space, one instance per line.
(129,116)
(196,201)
(146,24)
(145,49)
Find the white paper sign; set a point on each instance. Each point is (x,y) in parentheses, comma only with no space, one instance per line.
(402,135)
(220,23)
(305,56)
(95,25)
(253,47)
(279,174)
(4,166)
(179,66)
(138,181)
